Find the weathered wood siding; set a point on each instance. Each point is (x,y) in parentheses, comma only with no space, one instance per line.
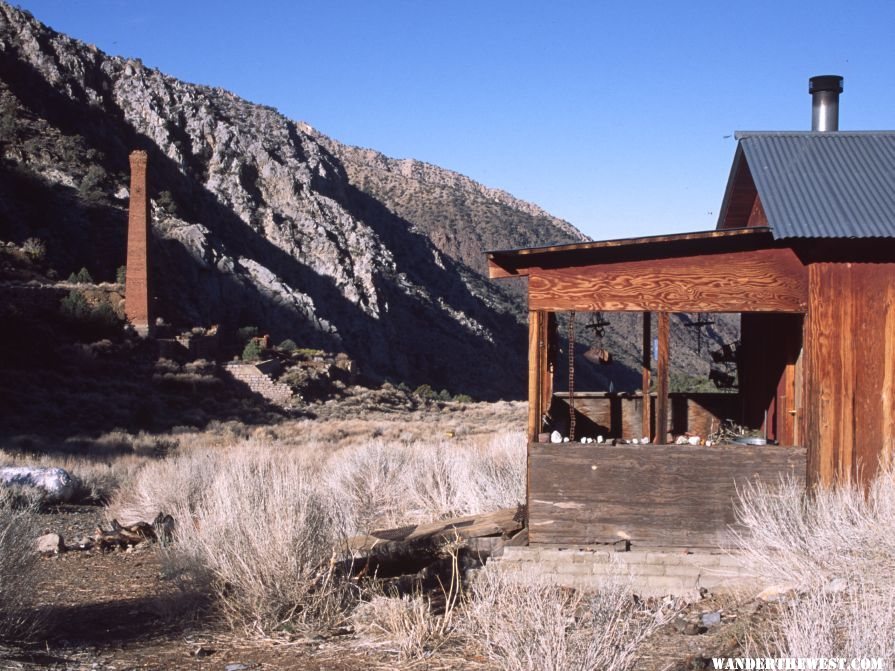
(849,385)
(702,413)
(619,415)
(670,495)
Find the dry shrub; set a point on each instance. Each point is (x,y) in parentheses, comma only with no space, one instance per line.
(18,578)
(173,485)
(256,528)
(858,622)
(524,624)
(451,479)
(260,518)
(405,626)
(389,484)
(369,482)
(838,532)
(836,550)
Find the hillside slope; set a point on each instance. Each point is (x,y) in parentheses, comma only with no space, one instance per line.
(256,219)
(260,220)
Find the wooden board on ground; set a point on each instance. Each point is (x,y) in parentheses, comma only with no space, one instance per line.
(501,523)
(656,495)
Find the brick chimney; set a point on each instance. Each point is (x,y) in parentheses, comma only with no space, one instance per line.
(136,296)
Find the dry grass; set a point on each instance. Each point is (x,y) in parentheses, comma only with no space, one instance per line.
(262,531)
(263,511)
(857,622)
(405,626)
(384,485)
(836,550)
(843,532)
(97,479)
(260,518)
(522,623)
(18,620)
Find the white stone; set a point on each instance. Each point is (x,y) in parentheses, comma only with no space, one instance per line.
(777,593)
(599,439)
(644,440)
(49,544)
(56,484)
(635,441)
(566,439)
(836,585)
(680,440)
(556,437)
(693,440)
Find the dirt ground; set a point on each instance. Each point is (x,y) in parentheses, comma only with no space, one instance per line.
(116,611)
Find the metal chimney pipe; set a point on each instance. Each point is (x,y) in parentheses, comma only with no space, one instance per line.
(825,90)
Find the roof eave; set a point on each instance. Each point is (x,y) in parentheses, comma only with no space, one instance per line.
(518,262)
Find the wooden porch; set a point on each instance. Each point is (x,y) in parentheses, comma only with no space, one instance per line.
(649,495)
(661,494)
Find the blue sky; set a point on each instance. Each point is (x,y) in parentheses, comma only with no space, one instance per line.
(617,116)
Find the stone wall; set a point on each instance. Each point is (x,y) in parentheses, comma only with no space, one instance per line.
(653,572)
(261,383)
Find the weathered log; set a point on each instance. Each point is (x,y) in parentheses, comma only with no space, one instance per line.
(120,536)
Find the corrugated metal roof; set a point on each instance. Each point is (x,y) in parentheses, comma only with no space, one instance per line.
(824,185)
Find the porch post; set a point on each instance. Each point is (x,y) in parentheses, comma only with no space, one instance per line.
(646,426)
(547,360)
(662,379)
(537,360)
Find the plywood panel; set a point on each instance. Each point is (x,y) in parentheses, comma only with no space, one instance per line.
(653,495)
(766,280)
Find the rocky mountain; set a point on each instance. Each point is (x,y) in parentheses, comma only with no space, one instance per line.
(259,220)
(460,216)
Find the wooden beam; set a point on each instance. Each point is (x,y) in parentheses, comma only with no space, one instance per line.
(646,363)
(548,349)
(500,270)
(535,348)
(662,378)
(764,280)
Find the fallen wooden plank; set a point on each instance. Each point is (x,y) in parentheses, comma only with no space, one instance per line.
(503,523)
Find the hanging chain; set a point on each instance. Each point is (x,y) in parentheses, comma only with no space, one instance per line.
(571,376)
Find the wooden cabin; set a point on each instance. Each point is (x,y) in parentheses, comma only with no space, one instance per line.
(804,251)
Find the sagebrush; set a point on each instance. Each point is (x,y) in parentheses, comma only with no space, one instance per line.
(832,551)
